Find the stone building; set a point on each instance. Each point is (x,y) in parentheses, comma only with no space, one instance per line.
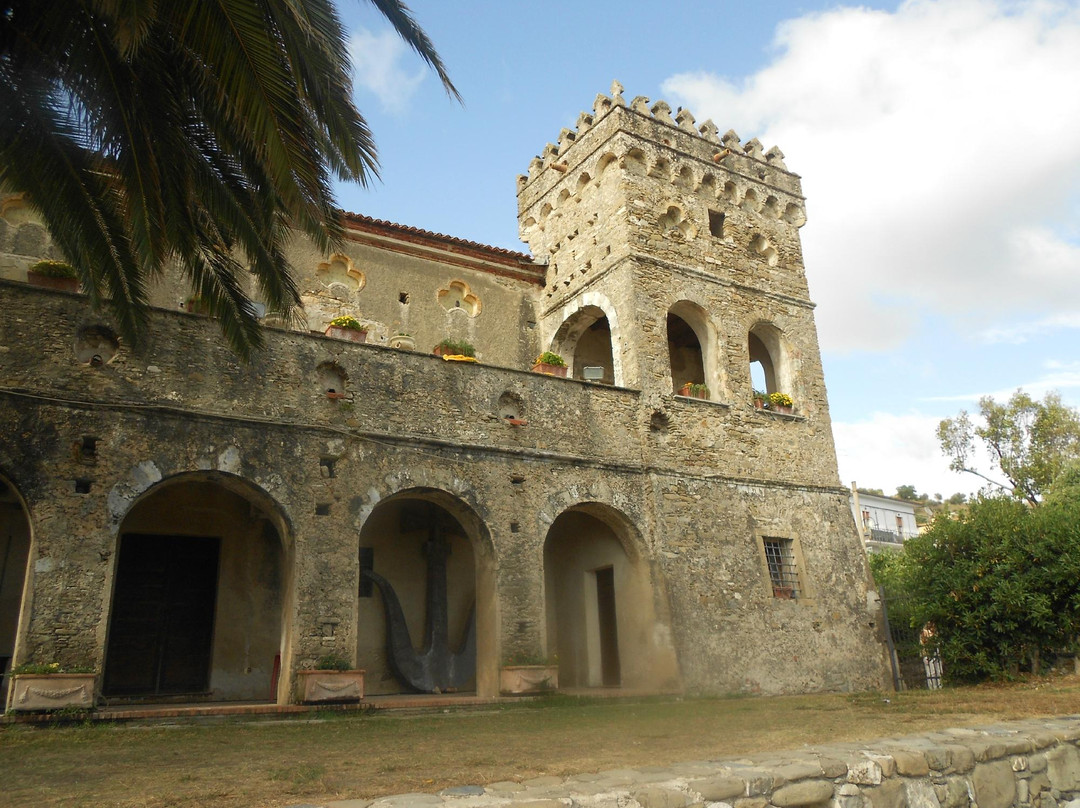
(198,529)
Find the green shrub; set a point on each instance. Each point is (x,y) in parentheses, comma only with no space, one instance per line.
(54,269)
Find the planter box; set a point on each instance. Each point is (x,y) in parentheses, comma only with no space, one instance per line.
(349,334)
(49,282)
(55,691)
(550,370)
(517,680)
(323,687)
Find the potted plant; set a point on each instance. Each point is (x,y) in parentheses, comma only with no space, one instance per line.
(780,402)
(196,305)
(53,275)
(694,390)
(51,686)
(332,680)
(550,363)
(455,350)
(403,341)
(783,592)
(523,674)
(348,328)
(760,399)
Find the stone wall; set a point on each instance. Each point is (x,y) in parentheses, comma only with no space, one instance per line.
(1025,764)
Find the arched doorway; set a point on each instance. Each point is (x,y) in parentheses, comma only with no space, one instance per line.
(601,609)
(199,594)
(14,551)
(425,610)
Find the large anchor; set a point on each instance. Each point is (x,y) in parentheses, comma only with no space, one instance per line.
(435,669)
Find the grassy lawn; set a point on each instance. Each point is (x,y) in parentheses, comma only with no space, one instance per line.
(353,756)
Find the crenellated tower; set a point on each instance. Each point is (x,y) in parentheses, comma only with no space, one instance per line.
(673,255)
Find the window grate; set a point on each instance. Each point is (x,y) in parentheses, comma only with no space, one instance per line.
(783,573)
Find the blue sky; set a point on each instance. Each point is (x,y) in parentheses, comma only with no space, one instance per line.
(939,145)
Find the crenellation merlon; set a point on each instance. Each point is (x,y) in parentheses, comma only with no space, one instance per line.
(684,124)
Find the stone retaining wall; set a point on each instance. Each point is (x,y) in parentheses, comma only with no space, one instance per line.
(1025,764)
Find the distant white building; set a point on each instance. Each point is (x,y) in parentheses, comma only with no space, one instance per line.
(885,522)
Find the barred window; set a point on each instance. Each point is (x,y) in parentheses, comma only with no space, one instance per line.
(783,574)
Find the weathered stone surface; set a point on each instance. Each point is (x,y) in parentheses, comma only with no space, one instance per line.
(319,437)
(866,773)
(832,767)
(957,793)
(720,788)
(910,763)
(889,794)
(656,797)
(920,794)
(806,792)
(994,784)
(1063,767)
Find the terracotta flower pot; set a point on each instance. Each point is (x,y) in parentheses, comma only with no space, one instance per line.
(349,334)
(330,686)
(49,282)
(550,370)
(517,680)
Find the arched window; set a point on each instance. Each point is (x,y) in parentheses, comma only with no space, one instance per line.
(684,354)
(769,370)
(584,340)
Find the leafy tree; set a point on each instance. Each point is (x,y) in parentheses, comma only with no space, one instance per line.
(908,492)
(957,499)
(1029,441)
(196,132)
(997,585)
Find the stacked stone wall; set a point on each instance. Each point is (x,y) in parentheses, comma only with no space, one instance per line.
(1024,764)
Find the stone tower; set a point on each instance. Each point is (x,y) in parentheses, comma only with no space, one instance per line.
(656,223)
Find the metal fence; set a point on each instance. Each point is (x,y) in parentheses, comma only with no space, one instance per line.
(914,666)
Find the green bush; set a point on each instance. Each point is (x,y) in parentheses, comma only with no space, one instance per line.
(550,358)
(332,662)
(455,347)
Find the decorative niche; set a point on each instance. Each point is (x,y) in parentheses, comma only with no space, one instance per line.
(340,277)
(96,345)
(332,380)
(456,296)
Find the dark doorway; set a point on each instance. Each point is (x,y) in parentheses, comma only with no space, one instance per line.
(610,673)
(161,629)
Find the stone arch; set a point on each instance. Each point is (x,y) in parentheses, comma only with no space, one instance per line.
(707,187)
(588,336)
(684,179)
(633,162)
(794,214)
(770,369)
(202,592)
(605,614)
(397,532)
(674,222)
(692,348)
(771,210)
(583,182)
(760,245)
(606,161)
(731,192)
(751,203)
(15,576)
(661,169)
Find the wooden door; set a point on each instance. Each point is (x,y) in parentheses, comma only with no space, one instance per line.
(162,621)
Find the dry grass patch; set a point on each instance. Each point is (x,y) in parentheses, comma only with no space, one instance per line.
(352,756)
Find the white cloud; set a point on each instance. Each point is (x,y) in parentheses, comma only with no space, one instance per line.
(1022,332)
(377,68)
(886,451)
(939,150)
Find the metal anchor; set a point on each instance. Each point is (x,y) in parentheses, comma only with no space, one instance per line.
(436,668)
